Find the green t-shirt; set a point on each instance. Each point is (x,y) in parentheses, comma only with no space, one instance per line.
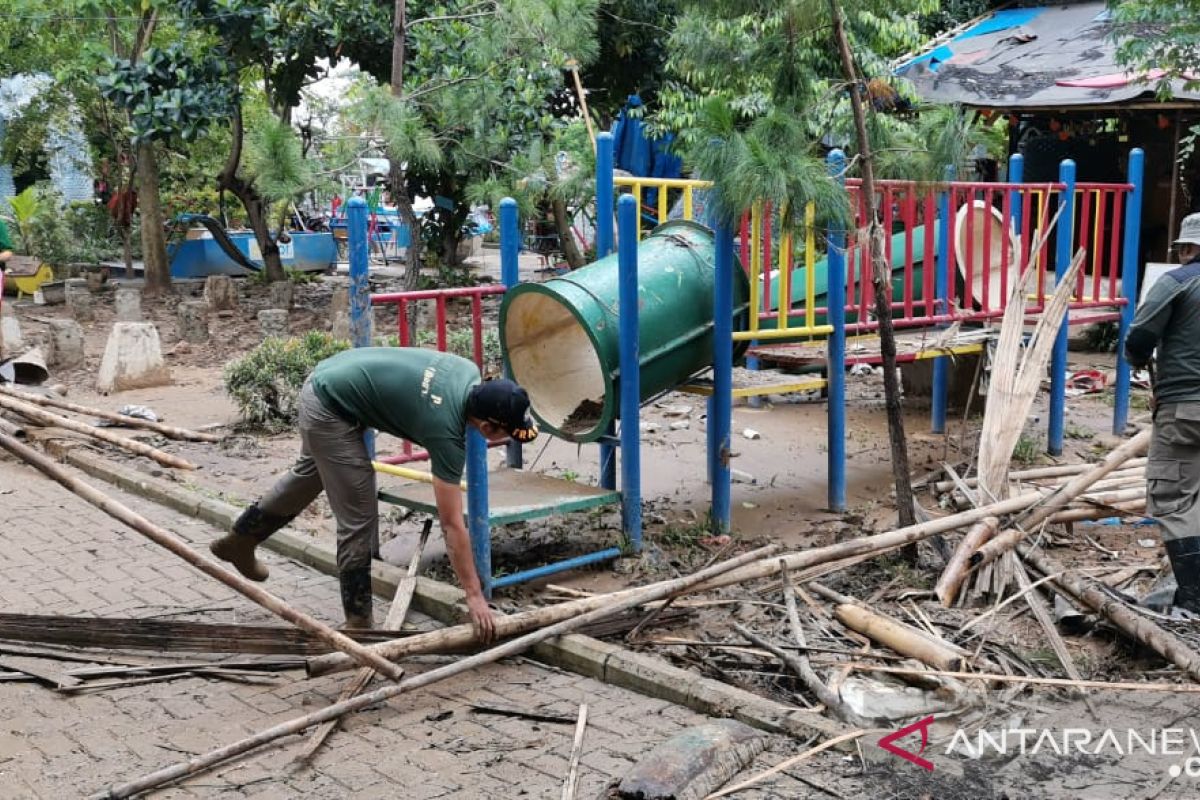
(5,242)
(411,392)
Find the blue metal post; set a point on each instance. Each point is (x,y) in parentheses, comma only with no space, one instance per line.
(836,365)
(1129,284)
(1016,174)
(630,380)
(510,249)
(477,508)
(1064,240)
(941,289)
(604,246)
(720,420)
(360,286)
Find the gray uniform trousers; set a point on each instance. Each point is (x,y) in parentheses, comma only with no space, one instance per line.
(333,457)
(1173,470)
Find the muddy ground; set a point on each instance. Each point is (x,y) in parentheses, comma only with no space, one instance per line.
(780,498)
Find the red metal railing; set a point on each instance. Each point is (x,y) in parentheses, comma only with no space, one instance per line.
(406,338)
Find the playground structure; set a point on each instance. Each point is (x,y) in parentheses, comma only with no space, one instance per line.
(940,280)
(212,250)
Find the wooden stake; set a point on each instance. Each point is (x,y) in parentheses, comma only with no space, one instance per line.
(202,762)
(168,540)
(568,792)
(169,431)
(41,417)
(395,619)
(955,573)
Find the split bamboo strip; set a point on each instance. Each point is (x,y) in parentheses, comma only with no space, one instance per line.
(1134,625)
(1040,473)
(955,573)
(788,763)
(169,431)
(41,417)
(568,792)
(204,761)
(401,601)
(167,539)
(460,636)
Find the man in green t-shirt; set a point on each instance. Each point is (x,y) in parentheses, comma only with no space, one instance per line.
(424,396)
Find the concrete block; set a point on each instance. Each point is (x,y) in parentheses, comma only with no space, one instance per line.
(128,305)
(132,359)
(11,341)
(220,293)
(281,295)
(192,318)
(273,322)
(65,344)
(80,301)
(339,327)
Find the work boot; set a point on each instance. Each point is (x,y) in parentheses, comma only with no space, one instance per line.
(1185,563)
(356,597)
(237,547)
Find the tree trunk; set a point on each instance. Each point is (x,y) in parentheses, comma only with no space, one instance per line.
(397,182)
(566,237)
(881,280)
(154,240)
(256,207)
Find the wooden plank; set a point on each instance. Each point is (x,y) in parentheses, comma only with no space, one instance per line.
(38,669)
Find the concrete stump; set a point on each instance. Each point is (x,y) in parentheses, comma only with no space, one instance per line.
(220,293)
(339,313)
(128,305)
(132,359)
(79,300)
(282,295)
(193,321)
(64,344)
(273,322)
(11,340)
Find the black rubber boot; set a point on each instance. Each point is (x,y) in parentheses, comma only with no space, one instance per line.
(1185,563)
(356,597)
(251,529)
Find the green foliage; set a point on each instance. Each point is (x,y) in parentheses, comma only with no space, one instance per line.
(1027,451)
(266,382)
(25,207)
(274,161)
(1152,34)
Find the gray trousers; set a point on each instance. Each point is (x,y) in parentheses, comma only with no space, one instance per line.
(1173,470)
(333,458)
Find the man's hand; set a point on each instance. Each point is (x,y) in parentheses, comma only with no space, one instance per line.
(481,619)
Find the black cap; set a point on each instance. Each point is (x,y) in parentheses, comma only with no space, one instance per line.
(504,403)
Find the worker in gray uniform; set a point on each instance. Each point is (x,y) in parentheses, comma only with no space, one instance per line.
(1169,320)
(424,396)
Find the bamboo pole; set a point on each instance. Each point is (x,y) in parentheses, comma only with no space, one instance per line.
(401,601)
(788,763)
(12,429)
(58,421)
(512,647)
(165,538)
(1130,508)
(449,639)
(1120,686)
(169,431)
(1134,625)
(1041,473)
(904,639)
(955,573)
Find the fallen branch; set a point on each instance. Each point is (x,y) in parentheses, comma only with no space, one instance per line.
(41,417)
(166,539)
(202,762)
(955,573)
(170,431)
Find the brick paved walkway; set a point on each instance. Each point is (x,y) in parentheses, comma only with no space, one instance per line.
(59,555)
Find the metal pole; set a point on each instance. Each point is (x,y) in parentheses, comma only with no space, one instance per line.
(630,380)
(1016,174)
(510,248)
(1064,241)
(941,365)
(1129,283)
(360,287)
(836,365)
(604,246)
(478,525)
(720,420)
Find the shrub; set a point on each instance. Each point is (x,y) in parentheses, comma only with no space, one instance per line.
(265,383)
